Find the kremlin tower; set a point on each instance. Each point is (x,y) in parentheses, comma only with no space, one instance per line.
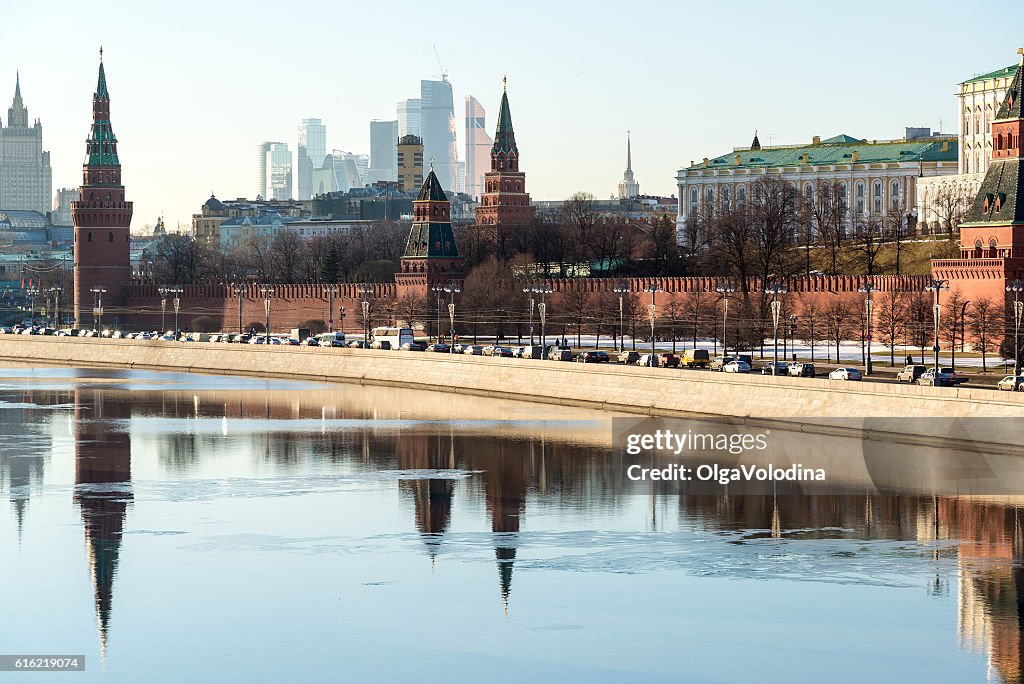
(504,200)
(101,215)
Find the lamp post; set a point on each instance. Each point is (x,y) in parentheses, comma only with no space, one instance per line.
(330,308)
(621,289)
(366,290)
(963,330)
(867,289)
(652,311)
(542,308)
(792,335)
(341,323)
(56,290)
(529,291)
(32,292)
(267,291)
(163,309)
(937,286)
(725,290)
(452,289)
(176,291)
(240,292)
(1016,287)
(97,309)
(438,289)
(775,290)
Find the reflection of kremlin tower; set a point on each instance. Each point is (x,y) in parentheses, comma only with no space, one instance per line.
(20,473)
(102,491)
(432,497)
(505,489)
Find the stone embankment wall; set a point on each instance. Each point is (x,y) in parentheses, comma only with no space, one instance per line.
(814,403)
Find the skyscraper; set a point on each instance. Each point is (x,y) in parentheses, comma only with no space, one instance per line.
(410,163)
(478,147)
(437,119)
(25,175)
(409,118)
(311,152)
(261,169)
(279,162)
(383,151)
(628,187)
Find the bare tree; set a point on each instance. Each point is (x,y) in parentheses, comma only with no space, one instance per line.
(810,322)
(870,245)
(983,321)
(891,319)
(838,323)
(951,204)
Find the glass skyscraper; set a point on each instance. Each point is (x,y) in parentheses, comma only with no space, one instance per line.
(437,119)
(311,153)
(478,147)
(383,151)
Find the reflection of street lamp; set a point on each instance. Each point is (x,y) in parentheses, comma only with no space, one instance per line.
(867,289)
(654,289)
(1016,287)
(97,309)
(267,291)
(937,286)
(775,291)
(725,290)
(621,289)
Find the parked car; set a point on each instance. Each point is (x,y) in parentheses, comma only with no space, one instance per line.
(592,356)
(439,348)
(557,354)
(380,344)
(736,366)
(775,368)
(530,351)
(414,346)
(937,378)
(957,379)
(801,370)
(845,374)
(668,360)
(649,360)
(910,373)
(358,344)
(505,352)
(311,342)
(720,362)
(696,358)
(628,357)
(1011,383)
(473,349)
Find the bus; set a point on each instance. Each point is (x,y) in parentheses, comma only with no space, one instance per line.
(395,337)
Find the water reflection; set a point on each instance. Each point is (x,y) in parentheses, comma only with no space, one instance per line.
(449,459)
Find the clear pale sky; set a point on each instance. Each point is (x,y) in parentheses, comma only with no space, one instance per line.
(195,86)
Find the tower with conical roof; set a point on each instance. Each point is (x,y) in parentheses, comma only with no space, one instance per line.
(101,216)
(431,256)
(504,201)
(992,234)
(628,187)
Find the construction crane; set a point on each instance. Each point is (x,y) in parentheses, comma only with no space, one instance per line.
(444,72)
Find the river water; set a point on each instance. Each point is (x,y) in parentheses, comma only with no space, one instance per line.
(183,528)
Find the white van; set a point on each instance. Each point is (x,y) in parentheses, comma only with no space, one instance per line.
(395,337)
(331,339)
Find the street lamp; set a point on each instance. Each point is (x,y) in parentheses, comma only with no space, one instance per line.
(437,290)
(32,292)
(775,290)
(452,289)
(1016,287)
(621,289)
(792,335)
(542,308)
(529,291)
(55,291)
(652,310)
(176,291)
(97,309)
(163,309)
(937,286)
(240,292)
(867,289)
(725,290)
(341,323)
(330,308)
(267,291)
(366,290)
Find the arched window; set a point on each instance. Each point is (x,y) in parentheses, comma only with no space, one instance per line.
(992,248)
(725,195)
(876,197)
(741,195)
(999,141)
(860,197)
(709,196)
(894,194)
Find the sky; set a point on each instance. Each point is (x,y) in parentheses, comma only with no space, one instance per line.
(196,86)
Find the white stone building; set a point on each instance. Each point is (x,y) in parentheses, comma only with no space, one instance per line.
(25,175)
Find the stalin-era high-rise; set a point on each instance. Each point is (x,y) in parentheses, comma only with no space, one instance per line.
(102,217)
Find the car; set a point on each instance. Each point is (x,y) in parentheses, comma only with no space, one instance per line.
(459,348)
(845,373)
(380,344)
(311,342)
(118,335)
(358,344)
(289,341)
(957,379)
(801,370)
(439,348)
(696,358)
(736,366)
(650,360)
(1011,383)
(592,356)
(910,373)
(628,357)
(413,346)
(216,337)
(720,362)
(559,354)
(505,352)
(473,350)
(937,378)
(489,349)
(775,368)
(668,360)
